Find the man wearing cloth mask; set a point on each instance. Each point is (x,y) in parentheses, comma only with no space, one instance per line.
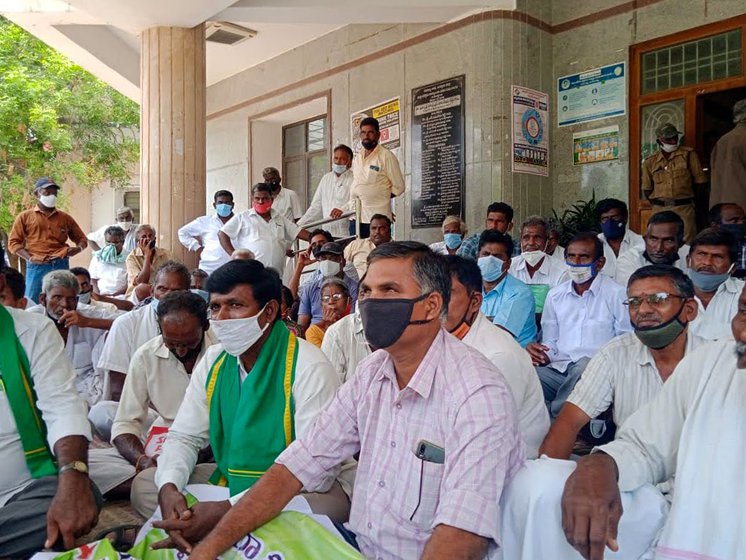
(377,177)
(711,260)
(669,176)
(331,264)
(507,301)
(612,216)
(252,394)
(454,231)
(201,234)
(468,324)
(432,420)
(728,162)
(332,194)
(284,201)
(533,266)
(580,315)
(39,236)
(125,219)
(630,370)
(692,431)
(731,218)
(265,231)
(663,244)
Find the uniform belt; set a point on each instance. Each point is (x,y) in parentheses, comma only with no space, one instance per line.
(671,201)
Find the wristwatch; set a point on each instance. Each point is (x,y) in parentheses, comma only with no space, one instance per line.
(79,466)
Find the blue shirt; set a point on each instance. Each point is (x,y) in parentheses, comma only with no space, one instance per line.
(511,305)
(310,296)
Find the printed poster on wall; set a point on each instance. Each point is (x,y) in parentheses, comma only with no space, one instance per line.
(599,144)
(437,152)
(599,93)
(530,131)
(388,114)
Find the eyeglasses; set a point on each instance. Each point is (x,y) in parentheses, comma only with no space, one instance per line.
(333,297)
(654,300)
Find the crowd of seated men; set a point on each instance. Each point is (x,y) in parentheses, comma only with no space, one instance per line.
(322,377)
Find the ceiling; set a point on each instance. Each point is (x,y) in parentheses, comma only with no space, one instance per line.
(103,35)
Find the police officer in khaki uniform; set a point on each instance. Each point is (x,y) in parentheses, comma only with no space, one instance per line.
(669,176)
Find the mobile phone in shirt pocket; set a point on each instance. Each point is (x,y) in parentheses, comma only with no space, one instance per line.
(420,496)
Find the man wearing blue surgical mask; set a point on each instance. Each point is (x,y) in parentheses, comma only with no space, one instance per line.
(454,231)
(711,259)
(201,234)
(507,302)
(612,216)
(580,315)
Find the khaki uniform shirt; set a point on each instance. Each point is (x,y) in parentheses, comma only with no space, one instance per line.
(674,177)
(728,164)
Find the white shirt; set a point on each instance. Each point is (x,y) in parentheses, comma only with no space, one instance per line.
(500,348)
(110,278)
(345,346)
(99,237)
(287,204)
(623,373)
(314,387)
(376,178)
(551,272)
(156,379)
(439,248)
(713,323)
(575,327)
(63,411)
(694,429)
(333,192)
(127,334)
(631,240)
(633,259)
(203,232)
(269,241)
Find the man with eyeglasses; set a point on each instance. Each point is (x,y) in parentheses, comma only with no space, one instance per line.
(630,370)
(711,262)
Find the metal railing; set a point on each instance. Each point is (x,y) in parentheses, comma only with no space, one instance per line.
(357,213)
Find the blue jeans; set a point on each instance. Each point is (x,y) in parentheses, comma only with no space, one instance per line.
(36,272)
(557,385)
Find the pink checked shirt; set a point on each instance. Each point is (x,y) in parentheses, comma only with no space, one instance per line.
(456,400)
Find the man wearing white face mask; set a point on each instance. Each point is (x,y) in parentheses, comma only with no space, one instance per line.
(39,236)
(249,398)
(125,219)
(670,175)
(331,263)
(580,315)
(533,266)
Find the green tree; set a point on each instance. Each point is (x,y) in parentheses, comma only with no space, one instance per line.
(56,119)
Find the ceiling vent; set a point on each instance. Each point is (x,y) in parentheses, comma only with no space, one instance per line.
(226,33)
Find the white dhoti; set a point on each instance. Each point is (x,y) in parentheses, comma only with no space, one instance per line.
(531,525)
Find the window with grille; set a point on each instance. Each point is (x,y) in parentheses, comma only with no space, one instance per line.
(710,58)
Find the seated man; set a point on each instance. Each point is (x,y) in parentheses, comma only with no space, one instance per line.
(15,287)
(46,498)
(302,274)
(108,268)
(664,244)
(612,216)
(580,316)
(533,266)
(82,336)
(454,232)
(128,333)
(156,379)
(198,279)
(345,346)
(711,260)
(423,392)
(143,262)
(630,370)
(731,217)
(468,324)
(499,218)
(331,265)
(106,307)
(357,252)
(507,302)
(249,398)
(554,249)
(693,430)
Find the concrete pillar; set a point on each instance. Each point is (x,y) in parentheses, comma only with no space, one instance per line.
(172,132)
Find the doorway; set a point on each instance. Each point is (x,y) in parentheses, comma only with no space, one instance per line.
(690,79)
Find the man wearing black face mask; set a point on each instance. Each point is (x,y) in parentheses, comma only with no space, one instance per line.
(732,218)
(285,201)
(630,370)
(711,259)
(376,176)
(612,215)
